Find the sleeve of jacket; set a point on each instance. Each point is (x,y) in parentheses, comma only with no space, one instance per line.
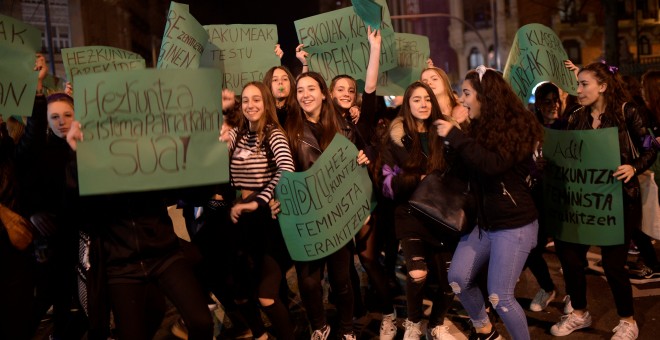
(638,132)
(35,131)
(400,184)
(475,156)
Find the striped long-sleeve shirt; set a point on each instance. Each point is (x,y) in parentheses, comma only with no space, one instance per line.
(257,167)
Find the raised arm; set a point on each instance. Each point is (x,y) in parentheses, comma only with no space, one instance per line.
(302,55)
(371,78)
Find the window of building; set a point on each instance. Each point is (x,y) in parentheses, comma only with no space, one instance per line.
(644,46)
(475,58)
(573,50)
(477,13)
(570,11)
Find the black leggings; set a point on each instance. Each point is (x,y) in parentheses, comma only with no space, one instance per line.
(418,255)
(132,310)
(311,290)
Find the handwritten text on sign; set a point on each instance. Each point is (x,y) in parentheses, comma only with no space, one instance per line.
(98,59)
(150,129)
(325,206)
(337,43)
(582,199)
(242,52)
(413,52)
(183,40)
(537,55)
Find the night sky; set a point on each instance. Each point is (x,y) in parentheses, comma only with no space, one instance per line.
(282,13)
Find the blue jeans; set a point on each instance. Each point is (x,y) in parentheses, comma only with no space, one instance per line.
(505,252)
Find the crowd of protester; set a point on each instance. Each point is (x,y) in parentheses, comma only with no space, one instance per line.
(118,257)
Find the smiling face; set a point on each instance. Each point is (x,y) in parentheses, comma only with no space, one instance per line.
(434,81)
(589,89)
(549,107)
(60,116)
(470,101)
(252,104)
(420,104)
(344,93)
(310,97)
(280,84)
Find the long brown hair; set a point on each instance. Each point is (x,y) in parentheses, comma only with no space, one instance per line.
(268,118)
(290,102)
(417,160)
(329,119)
(651,86)
(615,94)
(445,81)
(505,125)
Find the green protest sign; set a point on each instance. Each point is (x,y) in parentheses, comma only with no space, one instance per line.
(19,35)
(337,43)
(413,52)
(18,81)
(325,206)
(537,55)
(242,52)
(583,202)
(370,12)
(183,40)
(97,59)
(149,129)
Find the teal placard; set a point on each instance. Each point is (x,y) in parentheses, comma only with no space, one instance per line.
(537,55)
(18,81)
(149,129)
(413,52)
(98,59)
(370,12)
(325,206)
(337,43)
(184,39)
(242,52)
(583,202)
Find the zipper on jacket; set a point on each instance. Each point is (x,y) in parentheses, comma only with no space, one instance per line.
(306,142)
(507,193)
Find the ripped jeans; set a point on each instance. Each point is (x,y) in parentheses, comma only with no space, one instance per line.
(505,252)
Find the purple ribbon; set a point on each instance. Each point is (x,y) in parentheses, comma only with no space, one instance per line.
(389,173)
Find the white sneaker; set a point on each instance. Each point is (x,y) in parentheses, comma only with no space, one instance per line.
(440,332)
(625,331)
(413,330)
(388,326)
(321,334)
(541,300)
(570,323)
(568,308)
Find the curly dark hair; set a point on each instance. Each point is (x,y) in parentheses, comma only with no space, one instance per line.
(505,125)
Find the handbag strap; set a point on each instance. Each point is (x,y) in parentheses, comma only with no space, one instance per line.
(633,149)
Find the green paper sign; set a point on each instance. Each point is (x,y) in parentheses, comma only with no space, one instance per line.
(325,206)
(370,12)
(18,81)
(98,59)
(184,39)
(149,129)
(242,52)
(583,202)
(337,43)
(413,51)
(537,55)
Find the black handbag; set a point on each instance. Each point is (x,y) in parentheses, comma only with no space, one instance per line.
(445,201)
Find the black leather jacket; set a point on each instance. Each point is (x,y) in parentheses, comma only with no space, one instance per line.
(309,149)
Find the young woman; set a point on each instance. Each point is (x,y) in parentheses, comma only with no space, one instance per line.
(496,152)
(439,82)
(310,131)
(281,83)
(602,96)
(259,153)
(411,152)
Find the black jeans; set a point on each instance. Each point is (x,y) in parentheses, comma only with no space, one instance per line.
(131,308)
(311,290)
(420,255)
